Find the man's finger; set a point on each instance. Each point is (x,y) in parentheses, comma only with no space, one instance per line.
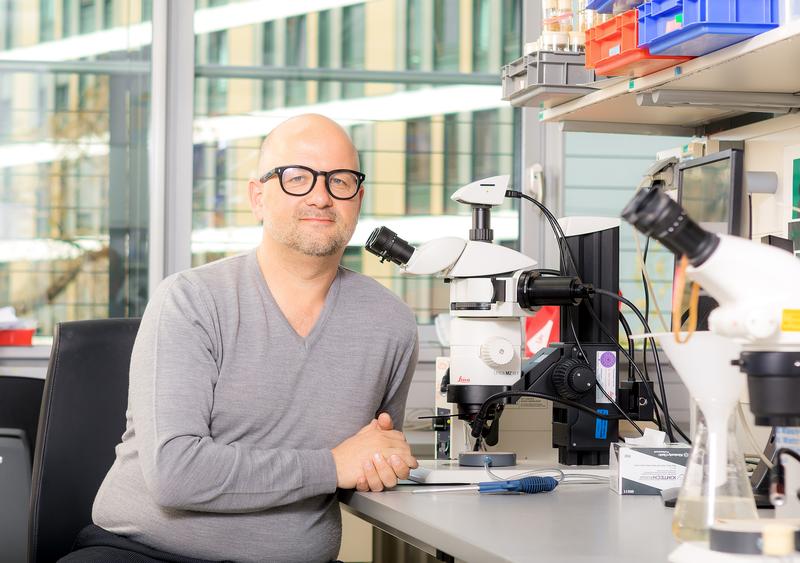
(400,468)
(386,473)
(373,479)
(361,485)
(385,421)
(404,455)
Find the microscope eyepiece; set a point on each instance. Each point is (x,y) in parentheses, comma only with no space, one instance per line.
(655,214)
(385,244)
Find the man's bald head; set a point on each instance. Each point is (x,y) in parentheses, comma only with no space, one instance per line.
(315,223)
(304,135)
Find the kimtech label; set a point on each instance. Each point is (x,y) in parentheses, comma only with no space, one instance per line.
(648,471)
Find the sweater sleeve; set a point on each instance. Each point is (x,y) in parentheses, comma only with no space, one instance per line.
(173,373)
(394,401)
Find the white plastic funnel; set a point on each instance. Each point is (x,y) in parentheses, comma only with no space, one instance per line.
(704,365)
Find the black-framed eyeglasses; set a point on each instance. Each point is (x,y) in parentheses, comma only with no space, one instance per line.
(299,180)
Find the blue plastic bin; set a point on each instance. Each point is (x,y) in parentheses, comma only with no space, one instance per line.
(695,27)
(612,6)
(601,6)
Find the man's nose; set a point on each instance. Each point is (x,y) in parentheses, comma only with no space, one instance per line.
(319,195)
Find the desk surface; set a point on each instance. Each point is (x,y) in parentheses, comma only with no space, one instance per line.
(575,523)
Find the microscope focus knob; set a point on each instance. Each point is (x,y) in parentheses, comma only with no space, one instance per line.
(497,352)
(573,378)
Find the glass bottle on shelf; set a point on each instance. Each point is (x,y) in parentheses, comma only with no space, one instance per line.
(557,23)
(577,37)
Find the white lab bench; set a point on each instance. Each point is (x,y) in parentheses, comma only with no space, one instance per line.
(575,523)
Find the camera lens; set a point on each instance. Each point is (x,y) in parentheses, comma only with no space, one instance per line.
(385,244)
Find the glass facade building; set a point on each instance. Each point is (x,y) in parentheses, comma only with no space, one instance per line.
(75,115)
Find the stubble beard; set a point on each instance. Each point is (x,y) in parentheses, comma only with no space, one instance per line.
(319,245)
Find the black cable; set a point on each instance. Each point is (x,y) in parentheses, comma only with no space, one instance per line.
(564,248)
(659,374)
(613,402)
(647,316)
(561,239)
(631,348)
(480,418)
(636,370)
(646,301)
(506,394)
(645,378)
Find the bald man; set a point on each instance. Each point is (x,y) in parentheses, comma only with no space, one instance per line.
(262,382)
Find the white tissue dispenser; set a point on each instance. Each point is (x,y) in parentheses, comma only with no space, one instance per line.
(647,469)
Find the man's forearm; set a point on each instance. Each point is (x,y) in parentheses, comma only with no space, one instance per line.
(197,474)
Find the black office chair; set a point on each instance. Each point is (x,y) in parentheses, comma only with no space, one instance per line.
(81,421)
(20,399)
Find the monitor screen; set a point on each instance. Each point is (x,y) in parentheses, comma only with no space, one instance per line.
(710,190)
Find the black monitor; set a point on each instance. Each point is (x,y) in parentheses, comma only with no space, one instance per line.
(710,190)
(779,242)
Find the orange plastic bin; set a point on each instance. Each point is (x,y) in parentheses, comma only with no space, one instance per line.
(612,49)
(17,337)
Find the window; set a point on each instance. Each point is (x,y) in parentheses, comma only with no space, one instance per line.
(268,91)
(220,185)
(353,258)
(46,19)
(353,37)
(66,262)
(7,11)
(296,57)
(108,14)
(414,28)
(86,16)
(67,13)
(445,35)
(6,115)
(452,177)
(481,36)
(217,87)
(61,95)
(324,56)
(414,158)
(147,10)
(512,30)
(418,166)
(484,144)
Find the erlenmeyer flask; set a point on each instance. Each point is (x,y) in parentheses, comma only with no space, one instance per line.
(710,491)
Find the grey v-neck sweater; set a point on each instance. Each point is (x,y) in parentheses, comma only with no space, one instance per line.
(232,415)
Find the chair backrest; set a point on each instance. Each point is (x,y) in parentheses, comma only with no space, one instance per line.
(81,421)
(15,489)
(20,402)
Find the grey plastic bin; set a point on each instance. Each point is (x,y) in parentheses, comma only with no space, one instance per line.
(546,79)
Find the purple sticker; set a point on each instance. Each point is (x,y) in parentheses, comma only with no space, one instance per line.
(607,359)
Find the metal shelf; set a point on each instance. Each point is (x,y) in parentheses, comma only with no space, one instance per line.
(761,74)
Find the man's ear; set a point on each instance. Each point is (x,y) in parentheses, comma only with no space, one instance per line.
(255,191)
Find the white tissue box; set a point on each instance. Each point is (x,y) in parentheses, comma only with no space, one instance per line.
(647,470)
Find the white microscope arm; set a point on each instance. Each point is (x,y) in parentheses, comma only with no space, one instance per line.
(454,257)
(757,287)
